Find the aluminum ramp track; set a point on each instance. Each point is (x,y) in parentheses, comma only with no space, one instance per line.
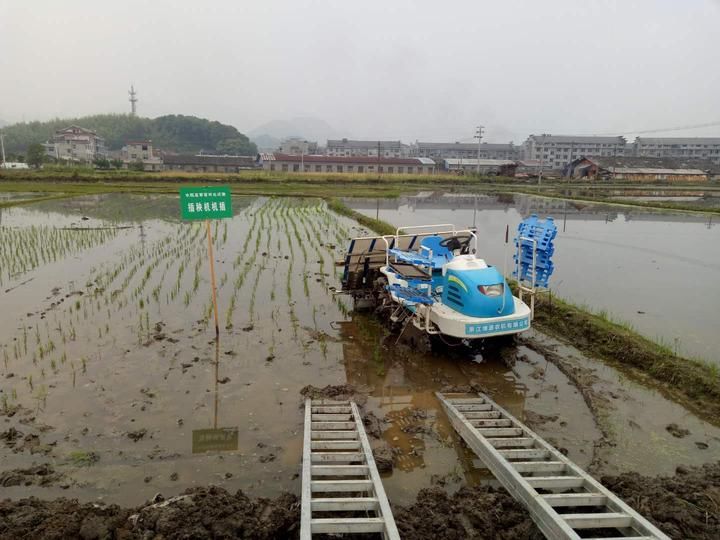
(564,501)
(341,487)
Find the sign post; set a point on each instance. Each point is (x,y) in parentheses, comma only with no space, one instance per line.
(206,203)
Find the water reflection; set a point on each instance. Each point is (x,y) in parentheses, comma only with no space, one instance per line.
(224,439)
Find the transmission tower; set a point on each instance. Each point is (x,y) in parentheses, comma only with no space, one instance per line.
(133,100)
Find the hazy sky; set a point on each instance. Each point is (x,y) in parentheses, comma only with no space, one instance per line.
(392,69)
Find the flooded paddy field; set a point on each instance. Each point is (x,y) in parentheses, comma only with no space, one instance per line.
(110,370)
(656,270)
(697,198)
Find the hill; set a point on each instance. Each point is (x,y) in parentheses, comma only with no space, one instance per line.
(313,129)
(178,133)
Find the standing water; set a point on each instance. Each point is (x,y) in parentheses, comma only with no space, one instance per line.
(656,270)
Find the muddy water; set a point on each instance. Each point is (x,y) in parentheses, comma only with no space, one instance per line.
(110,351)
(656,270)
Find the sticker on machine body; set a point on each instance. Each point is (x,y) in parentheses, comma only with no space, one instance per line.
(493,327)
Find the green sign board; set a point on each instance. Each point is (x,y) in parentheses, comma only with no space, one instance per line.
(214,440)
(205,203)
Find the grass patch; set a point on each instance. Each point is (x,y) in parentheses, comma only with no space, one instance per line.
(82,458)
(376,225)
(616,342)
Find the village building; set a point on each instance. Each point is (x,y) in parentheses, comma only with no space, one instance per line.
(556,151)
(208,163)
(457,150)
(346,164)
(75,143)
(636,169)
(533,168)
(689,148)
(141,151)
(500,167)
(348,147)
(297,146)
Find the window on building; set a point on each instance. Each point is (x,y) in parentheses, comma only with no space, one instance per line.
(390,170)
(296,167)
(144,147)
(339,168)
(361,169)
(318,168)
(401,169)
(272,166)
(328,168)
(284,167)
(380,168)
(350,168)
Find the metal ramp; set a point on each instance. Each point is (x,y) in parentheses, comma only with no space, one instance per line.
(341,487)
(563,500)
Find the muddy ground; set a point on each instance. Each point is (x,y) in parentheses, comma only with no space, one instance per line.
(686,505)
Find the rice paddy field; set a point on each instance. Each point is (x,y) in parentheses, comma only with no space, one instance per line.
(111,373)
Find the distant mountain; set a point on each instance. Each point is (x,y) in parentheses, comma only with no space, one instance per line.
(177,133)
(266,143)
(312,129)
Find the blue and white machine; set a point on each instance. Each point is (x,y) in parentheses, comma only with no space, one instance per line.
(432,277)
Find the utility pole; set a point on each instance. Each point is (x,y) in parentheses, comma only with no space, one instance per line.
(478,136)
(2,145)
(378,158)
(133,100)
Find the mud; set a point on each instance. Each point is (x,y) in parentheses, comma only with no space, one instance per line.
(40,475)
(686,505)
(200,513)
(342,392)
(473,512)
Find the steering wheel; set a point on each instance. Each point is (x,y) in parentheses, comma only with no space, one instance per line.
(460,242)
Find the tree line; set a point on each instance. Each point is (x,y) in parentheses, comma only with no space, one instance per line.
(175,133)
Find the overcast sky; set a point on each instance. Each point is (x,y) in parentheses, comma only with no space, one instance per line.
(408,69)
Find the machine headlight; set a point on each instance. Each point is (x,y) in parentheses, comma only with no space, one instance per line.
(492,290)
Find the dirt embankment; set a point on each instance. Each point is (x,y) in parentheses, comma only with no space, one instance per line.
(686,505)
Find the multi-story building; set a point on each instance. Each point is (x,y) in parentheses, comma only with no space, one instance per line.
(347,147)
(74,143)
(556,151)
(457,150)
(707,148)
(347,164)
(142,151)
(298,146)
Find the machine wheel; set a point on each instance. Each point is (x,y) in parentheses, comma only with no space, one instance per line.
(417,340)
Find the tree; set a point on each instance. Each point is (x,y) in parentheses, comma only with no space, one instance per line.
(35,155)
(101,163)
(238,146)
(136,165)
(117,163)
